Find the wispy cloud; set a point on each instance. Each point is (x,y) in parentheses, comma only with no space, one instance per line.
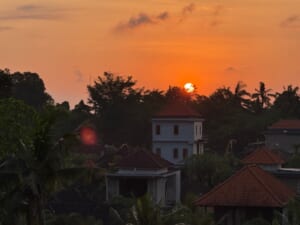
(140,20)
(143,19)
(291,22)
(5,28)
(33,12)
(186,11)
(231,70)
(79,75)
(216,13)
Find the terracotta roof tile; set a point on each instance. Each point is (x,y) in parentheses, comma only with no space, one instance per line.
(263,156)
(143,159)
(249,187)
(286,124)
(177,110)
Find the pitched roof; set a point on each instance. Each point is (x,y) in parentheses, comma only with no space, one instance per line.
(177,110)
(143,159)
(263,156)
(286,124)
(249,187)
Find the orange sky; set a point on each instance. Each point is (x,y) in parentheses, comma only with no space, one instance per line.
(159,42)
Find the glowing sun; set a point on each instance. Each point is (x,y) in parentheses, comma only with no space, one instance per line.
(189,87)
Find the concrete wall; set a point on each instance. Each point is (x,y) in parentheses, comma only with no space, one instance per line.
(186,130)
(189,132)
(283,142)
(163,190)
(167,149)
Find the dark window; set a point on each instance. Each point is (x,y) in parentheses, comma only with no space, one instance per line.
(184,153)
(158,151)
(157,129)
(176,129)
(133,187)
(175,153)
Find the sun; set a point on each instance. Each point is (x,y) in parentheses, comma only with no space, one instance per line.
(189,87)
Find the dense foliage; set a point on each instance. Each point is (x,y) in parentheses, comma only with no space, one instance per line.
(36,132)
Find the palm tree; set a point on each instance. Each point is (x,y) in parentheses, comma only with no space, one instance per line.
(33,175)
(288,102)
(261,98)
(240,93)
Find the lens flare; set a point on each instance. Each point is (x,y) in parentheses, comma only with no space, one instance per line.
(88,136)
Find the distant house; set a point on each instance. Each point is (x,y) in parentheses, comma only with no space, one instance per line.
(249,193)
(145,172)
(264,158)
(284,135)
(177,133)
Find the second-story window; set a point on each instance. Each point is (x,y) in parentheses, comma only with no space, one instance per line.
(184,153)
(175,153)
(157,129)
(158,151)
(176,130)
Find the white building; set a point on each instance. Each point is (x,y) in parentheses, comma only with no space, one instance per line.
(143,172)
(177,133)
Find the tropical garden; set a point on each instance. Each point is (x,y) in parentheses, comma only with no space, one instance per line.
(47,177)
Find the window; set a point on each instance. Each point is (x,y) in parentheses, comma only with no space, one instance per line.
(158,151)
(175,153)
(176,129)
(157,129)
(184,153)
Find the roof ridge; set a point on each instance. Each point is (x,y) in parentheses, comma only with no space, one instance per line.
(263,183)
(271,154)
(221,184)
(153,158)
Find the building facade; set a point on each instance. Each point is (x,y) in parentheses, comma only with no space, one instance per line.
(177,133)
(144,172)
(284,135)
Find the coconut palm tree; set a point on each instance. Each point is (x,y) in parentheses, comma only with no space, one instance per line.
(288,102)
(261,98)
(240,93)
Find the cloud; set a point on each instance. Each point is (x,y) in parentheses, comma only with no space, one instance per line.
(216,13)
(231,70)
(79,75)
(291,22)
(186,10)
(140,20)
(163,16)
(5,28)
(32,12)
(143,19)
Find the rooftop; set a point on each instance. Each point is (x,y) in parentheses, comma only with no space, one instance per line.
(286,124)
(263,156)
(249,187)
(177,110)
(144,160)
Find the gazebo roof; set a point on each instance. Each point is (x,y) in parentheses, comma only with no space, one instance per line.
(249,187)
(263,156)
(286,124)
(144,160)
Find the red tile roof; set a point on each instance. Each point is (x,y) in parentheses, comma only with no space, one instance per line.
(177,110)
(263,156)
(249,187)
(144,159)
(286,124)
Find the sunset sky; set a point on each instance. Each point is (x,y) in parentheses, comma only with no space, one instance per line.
(159,42)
